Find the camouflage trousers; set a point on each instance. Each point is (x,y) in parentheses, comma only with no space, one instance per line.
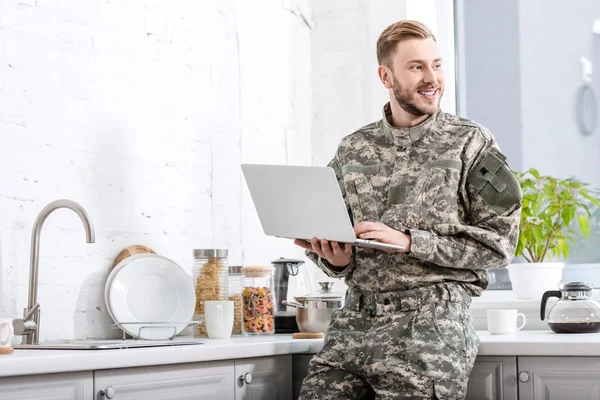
(415,344)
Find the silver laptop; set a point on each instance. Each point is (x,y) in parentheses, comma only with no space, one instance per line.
(302,202)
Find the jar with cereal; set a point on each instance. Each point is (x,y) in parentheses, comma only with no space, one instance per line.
(257,300)
(235,295)
(210,271)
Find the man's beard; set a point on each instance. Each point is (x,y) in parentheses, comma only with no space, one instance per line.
(406,100)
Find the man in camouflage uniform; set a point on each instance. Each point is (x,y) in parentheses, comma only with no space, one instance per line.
(438,185)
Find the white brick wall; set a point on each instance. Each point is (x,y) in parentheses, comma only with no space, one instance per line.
(142,111)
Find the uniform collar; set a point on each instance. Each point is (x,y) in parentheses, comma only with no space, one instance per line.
(406,136)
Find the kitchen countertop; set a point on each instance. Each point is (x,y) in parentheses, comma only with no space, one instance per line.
(29,362)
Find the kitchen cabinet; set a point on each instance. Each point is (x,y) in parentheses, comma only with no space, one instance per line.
(265,378)
(545,378)
(64,386)
(493,378)
(199,381)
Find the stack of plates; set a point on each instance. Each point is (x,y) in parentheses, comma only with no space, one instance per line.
(150,296)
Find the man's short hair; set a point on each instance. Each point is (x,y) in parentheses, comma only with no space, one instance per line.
(396,33)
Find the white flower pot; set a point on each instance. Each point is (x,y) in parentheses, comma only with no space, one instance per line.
(531,280)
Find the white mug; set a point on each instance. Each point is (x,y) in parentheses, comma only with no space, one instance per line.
(504,321)
(218,317)
(6,332)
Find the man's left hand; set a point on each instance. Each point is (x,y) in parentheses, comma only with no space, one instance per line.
(384,234)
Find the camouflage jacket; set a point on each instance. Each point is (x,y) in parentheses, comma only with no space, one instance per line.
(446,184)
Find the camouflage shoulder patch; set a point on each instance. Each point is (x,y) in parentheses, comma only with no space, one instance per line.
(494,181)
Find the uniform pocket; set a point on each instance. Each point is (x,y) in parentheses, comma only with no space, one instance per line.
(448,320)
(360,195)
(441,181)
(438,196)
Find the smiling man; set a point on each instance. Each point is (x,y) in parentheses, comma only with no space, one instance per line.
(439,186)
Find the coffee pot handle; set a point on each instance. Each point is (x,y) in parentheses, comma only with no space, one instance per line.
(545,297)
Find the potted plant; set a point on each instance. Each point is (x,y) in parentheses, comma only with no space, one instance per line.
(552,209)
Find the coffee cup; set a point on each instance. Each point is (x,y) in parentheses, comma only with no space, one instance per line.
(6,332)
(218,317)
(500,322)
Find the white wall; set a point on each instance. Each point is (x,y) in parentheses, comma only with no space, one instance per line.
(347,93)
(550,74)
(142,113)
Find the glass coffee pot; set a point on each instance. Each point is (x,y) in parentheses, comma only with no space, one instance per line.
(575,311)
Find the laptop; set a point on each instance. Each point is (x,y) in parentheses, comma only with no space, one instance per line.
(302,202)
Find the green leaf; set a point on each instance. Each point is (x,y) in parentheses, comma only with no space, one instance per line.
(538,203)
(584,225)
(565,195)
(527,184)
(568,214)
(585,194)
(538,233)
(548,191)
(534,172)
(566,250)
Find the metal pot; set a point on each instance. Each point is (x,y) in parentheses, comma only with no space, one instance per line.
(313,312)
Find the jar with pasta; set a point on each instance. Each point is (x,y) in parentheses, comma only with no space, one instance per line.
(257,300)
(209,272)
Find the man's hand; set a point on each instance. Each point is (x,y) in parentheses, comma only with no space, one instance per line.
(337,254)
(384,234)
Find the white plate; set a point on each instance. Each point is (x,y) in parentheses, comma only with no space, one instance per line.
(112,274)
(151,289)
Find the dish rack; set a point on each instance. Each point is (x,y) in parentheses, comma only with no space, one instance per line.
(141,326)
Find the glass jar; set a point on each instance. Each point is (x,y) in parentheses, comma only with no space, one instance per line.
(210,274)
(257,300)
(235,295)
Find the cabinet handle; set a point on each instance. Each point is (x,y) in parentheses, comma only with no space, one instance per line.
(108,392)
(246,378)
(524,377)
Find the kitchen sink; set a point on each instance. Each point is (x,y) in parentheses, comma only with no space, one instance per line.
(105,344)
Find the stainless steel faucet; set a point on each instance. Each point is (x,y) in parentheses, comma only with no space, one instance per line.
(29,326)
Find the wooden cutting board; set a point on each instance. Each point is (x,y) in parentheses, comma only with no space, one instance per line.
(6,350)
(130,251)
(308,335)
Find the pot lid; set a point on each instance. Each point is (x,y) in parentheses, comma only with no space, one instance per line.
(324,294)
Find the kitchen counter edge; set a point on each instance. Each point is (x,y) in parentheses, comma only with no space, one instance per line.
(32,362)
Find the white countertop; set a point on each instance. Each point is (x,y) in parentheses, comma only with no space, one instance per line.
(539,343)
(28,362)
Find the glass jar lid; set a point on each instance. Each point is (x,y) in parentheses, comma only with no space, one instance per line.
(235,269)
(256,271)
(207,253)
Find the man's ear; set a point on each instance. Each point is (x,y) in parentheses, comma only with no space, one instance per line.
(386,76)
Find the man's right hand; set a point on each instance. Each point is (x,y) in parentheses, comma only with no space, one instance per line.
(337,254)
